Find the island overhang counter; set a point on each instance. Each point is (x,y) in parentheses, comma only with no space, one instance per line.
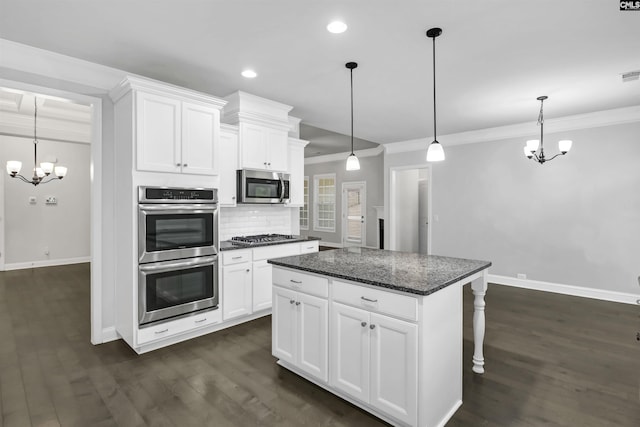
(381,329)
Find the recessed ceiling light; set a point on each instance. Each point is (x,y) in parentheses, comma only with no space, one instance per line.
(250,74)
(337,27)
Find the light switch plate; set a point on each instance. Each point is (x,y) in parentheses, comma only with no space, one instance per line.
(32,200)
(51,200)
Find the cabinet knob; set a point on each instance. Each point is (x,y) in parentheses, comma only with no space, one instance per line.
(233,198)
(297,302)
(291,301)
(372,326)
(269,164)
(364,324)
(265,163)
(184,165)
(178,164)
(248,270)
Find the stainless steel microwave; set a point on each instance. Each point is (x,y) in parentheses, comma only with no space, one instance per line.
(263,187)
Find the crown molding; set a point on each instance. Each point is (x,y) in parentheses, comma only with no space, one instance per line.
(297,141)
(21,57)
(369,152)
(154,86)
(596,119)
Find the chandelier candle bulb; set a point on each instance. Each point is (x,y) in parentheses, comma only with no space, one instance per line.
(564,145)
(13,167)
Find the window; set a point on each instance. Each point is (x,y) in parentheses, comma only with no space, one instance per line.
(304,210)
(324,212)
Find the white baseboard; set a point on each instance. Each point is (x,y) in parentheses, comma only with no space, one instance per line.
(46,263)
(109,334)
(578,291)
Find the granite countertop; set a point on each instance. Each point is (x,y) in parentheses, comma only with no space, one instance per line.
(403,271)
(228,245)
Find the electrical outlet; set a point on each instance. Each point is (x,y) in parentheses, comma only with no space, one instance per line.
(51,200)
(32,200)
(522,276)
(46,250)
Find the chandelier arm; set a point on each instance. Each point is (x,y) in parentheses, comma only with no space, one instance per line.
(51,178)
(559,154)
(22,178)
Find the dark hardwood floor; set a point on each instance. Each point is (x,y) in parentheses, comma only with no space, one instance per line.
(551,360)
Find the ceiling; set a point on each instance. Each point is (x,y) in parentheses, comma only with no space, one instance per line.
(493,59)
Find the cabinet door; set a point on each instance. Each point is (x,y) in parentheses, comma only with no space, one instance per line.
(200,139)
(278,150)
(236,291)
(228,167)
(284,325)
(157,133)
(296,169)
(349,350)
(312,335)
(253,146)
(262,283)
(394,367)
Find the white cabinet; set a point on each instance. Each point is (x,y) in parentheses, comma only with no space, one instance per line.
(374,359)
(236,290)
(300,329)
(173,135)
(296,169)
(263,148)
(228,166)
(261,285)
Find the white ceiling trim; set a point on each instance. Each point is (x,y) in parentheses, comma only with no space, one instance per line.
(370,152)
(612,117)
(17,56)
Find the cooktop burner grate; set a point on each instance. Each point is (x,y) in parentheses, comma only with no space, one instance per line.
(261,238)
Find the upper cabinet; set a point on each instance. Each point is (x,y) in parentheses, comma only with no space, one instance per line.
(296,169)
(228,165)
(176,130)
(263,131)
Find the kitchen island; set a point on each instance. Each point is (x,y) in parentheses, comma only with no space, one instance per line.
(381,329)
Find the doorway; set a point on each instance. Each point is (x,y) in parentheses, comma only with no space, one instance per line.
(410,209)
(354,218)
(95,168)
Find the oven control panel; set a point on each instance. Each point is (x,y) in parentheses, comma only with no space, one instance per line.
(177,195)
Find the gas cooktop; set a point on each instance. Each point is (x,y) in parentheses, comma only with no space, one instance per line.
(261,238)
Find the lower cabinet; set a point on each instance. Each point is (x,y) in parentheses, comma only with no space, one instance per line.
(236,290)
(261,285)
(374,359)
(300,331)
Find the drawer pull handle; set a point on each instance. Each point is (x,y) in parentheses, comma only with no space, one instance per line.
(236,257)
(162,331)
(364,324)
(291,302)
(372,326)
(297,302)
(370,300)
(296,281)
(201,320)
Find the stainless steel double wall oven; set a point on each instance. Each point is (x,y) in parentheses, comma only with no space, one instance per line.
(177,253)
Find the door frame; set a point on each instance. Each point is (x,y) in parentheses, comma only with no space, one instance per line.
(343,239)
(392,202)
(96,171)
(2,222)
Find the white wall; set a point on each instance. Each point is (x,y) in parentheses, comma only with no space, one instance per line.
(63,229)
(406,223)
(573,221)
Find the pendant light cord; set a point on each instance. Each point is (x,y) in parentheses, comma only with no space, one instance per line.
(541,123)
(434,90)
(35,136)
(351,110)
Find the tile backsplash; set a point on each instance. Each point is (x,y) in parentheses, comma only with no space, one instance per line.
(250,220)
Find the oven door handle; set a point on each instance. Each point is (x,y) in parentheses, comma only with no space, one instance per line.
(172,207)
(162,266)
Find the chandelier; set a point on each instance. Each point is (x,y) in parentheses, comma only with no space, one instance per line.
(534,148)
(45,169)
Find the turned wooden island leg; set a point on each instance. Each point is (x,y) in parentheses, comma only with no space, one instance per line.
(479,288)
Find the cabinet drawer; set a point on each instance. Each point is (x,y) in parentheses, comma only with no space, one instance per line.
(174,327)
(236,257)
(306,283)
(402,306)
(276,251)
(309,247)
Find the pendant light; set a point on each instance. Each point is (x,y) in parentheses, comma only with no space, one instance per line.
(45,169)
(531,149)
(435,153)
(353,164)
